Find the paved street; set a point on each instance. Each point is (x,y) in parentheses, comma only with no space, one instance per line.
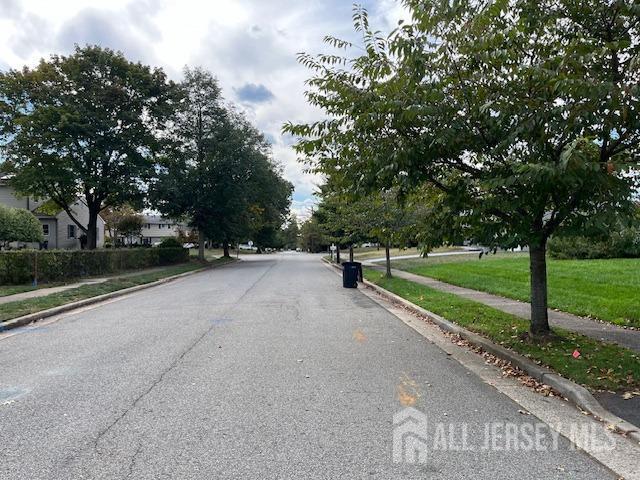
(263,369)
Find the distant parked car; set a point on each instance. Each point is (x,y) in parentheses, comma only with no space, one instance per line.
(298,249)
(189,245)
(246,246)
(369,245)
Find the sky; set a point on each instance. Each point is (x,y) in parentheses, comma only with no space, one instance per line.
(249,45)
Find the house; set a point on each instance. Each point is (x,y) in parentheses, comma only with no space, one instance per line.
(156,228)
(58,228)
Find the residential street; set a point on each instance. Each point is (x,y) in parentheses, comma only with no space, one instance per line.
(266,368)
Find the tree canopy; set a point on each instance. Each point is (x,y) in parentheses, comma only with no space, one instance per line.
(524,116)
(218,173)
(84,126)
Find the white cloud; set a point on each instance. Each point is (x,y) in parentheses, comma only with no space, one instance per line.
(244,42)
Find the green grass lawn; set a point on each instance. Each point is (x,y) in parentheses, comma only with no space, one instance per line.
(602,366)
(24,307)
(605,289)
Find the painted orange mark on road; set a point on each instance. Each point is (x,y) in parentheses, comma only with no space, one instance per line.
(408,392)
(359,336)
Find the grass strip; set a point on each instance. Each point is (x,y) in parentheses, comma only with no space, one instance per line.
(24,307)
(601,366)
(604,289)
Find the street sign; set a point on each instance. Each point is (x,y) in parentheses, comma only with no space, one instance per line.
(333,247)
(250,243)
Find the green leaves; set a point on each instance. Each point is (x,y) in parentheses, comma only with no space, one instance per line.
(19,225)
(84,126)
(516,113)
(218,173)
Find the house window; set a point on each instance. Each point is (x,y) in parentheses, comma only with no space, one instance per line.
(45,230)
(161,225)
(148,225)
(71,231)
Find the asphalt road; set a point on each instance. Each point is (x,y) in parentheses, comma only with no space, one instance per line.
(263,369)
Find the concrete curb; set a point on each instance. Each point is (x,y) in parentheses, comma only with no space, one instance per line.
(37,316)
(572,391)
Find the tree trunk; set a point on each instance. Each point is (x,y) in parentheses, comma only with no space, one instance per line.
(538,270)
(225,249)
(201,241)
(92,231)
(351,253)
(338,254)
(387,254)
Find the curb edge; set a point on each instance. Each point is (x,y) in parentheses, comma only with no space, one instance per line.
(572,391)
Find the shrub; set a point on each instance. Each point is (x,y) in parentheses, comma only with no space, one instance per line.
(18,225)
(171,250)
(57,265)
(170,242)
(26,227)
(621,244)
(6,226)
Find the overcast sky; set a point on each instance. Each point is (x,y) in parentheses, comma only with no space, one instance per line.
(250,45)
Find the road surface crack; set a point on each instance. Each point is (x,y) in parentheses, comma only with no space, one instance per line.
(159,380)
(132,462)
(172,366)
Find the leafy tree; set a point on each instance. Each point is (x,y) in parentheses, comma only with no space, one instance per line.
(389,221)
(186,184)
(114,218)
(269,198)
(291,232)
(19,225)
(83,126)
(26,227)
(130,226)
(382,216)
(312,238)
(218,173)
(524,115)
(332,218)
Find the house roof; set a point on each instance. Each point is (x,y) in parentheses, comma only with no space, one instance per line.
(159,219)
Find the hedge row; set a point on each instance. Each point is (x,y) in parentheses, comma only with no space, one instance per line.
(17,267)
(624,244)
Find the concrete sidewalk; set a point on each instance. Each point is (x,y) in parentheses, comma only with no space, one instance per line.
(470,251)
(43,292)
(599,330)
